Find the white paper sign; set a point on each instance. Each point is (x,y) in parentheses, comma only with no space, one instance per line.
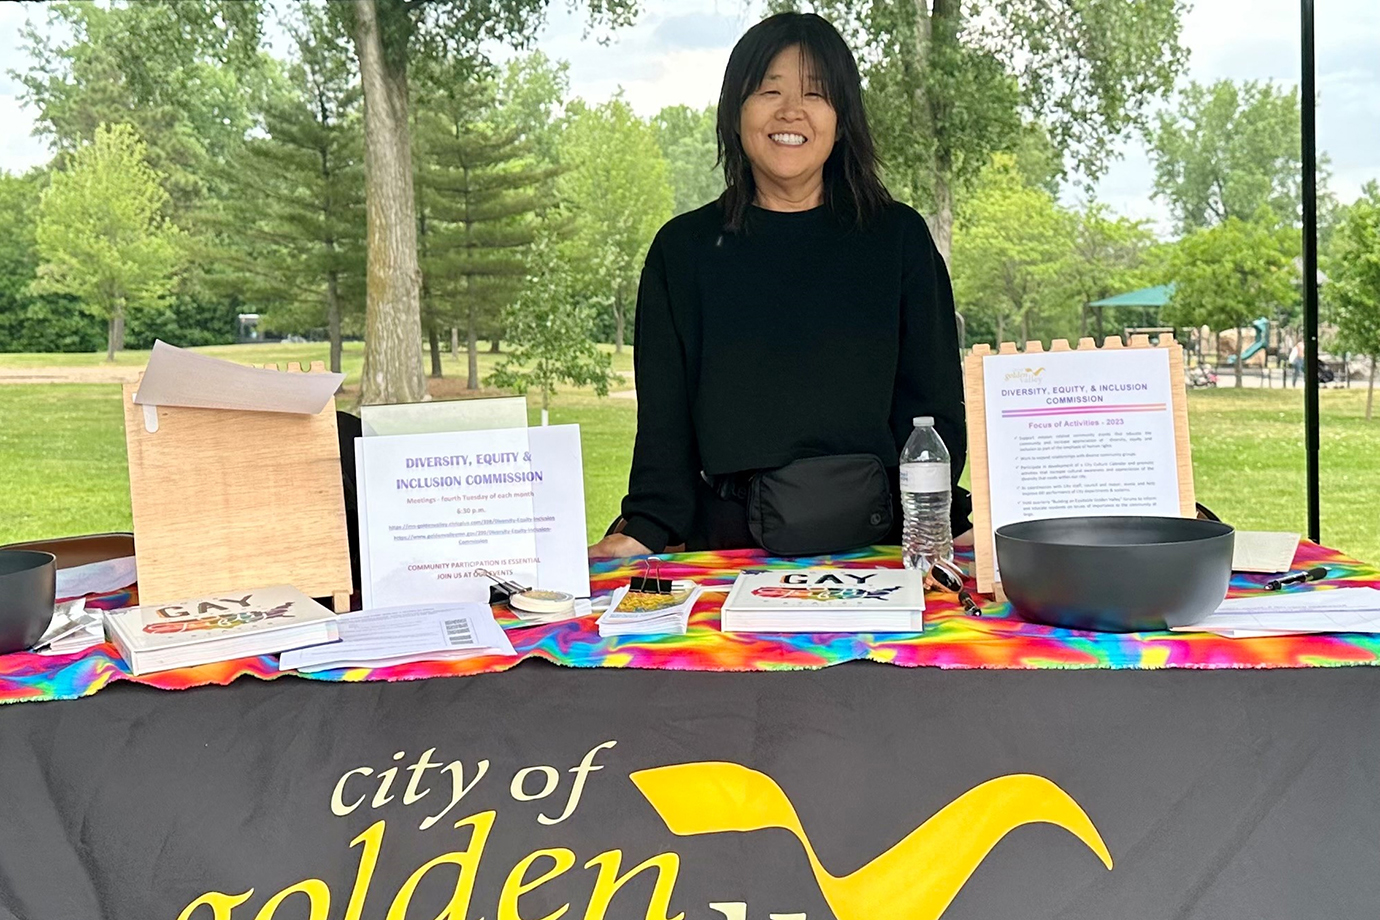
(433,508)
(177,377)
(1080,433)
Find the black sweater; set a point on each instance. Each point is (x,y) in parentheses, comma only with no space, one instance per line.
(794,337)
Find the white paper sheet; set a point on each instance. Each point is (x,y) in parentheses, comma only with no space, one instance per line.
(1263,551)
(444,415)
(433,508)
(96,577)
(1294,612)
(404,632)
(73,629)
(177,377)
(1080,433)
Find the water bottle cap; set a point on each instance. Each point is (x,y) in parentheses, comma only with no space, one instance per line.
(923,421)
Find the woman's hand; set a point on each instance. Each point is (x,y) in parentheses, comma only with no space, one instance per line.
(617,546)
(964,540)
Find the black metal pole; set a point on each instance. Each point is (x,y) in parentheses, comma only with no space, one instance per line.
(1310,271)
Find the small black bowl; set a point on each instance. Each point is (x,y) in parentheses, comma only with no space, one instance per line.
(28,589)
(1115,574)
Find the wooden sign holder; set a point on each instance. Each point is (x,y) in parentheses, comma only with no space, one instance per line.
(226,500)
(975,397)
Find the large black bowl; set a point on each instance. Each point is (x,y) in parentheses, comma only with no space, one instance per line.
(1115,574)
(28,583)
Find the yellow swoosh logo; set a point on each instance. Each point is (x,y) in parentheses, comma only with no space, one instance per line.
(917,878)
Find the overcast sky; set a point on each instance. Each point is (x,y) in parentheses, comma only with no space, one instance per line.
(677,51)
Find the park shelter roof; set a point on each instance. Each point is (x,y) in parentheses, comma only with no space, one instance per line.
(1156,296)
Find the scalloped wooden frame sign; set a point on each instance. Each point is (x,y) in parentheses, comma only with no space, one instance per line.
(979,462)
(225,499)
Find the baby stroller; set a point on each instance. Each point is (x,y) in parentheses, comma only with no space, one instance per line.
(1199,376)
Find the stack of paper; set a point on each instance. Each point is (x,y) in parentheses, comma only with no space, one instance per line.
(635,613)
(389,636)
(1293,612)
(73,629)
(236,624)
(826,600)
(1263,551)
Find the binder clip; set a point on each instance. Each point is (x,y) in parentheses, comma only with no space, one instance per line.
(501,590)
(646,583)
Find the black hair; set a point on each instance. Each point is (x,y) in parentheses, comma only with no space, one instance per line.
(853,192)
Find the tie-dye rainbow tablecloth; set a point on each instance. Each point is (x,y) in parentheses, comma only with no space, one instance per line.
(952,639)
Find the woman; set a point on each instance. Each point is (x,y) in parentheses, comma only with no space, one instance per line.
(804,314)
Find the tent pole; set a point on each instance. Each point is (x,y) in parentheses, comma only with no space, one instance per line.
(1310,268)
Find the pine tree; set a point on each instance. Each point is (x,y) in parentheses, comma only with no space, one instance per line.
(300,202)
(477,190)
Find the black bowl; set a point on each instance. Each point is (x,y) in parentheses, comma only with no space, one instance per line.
(1115,574)
(28,589)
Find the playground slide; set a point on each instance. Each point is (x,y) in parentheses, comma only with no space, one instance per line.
(1262,338)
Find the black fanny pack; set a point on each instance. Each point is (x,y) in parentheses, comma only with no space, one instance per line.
(816,505)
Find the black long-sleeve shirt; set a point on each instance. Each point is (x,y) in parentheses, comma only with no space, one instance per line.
(795,337)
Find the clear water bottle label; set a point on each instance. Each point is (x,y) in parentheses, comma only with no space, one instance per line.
(924,477)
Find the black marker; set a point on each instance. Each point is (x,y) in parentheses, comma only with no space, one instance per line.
(1314,574)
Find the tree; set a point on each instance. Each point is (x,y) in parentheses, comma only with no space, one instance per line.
(30,321)
(551,327)
(1356,282)
(1011,249)
(950,83)
(100,232)
(296,213)
(386,34)
(690,145)
(477,187)
(1108,257)
(618,197)
(1229,150)
(1231,273)
(186,76)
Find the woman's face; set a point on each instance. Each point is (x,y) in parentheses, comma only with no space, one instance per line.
(787,125)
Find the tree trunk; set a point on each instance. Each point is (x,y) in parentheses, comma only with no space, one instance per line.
(493,344)
(942,224)
(617,325)
(472,346)
(455,342)
(1370,387)
(434,340)
(1238,357)
(119,329)
(933,28)
(393,323)
(1083,321)
(1001,329)
(110,338)
(1025,327)
(333,315)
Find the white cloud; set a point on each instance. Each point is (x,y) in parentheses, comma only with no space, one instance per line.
(18,149)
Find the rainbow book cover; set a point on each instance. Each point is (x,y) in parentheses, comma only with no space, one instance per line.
(844,600)
(219,627)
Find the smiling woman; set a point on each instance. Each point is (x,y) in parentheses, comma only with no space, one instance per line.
(788,333)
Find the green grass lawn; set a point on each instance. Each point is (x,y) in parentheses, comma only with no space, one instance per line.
(63,469)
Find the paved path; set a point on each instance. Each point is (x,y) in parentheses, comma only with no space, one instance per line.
(113,374)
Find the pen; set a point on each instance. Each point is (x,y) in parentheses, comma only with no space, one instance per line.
(1298,578)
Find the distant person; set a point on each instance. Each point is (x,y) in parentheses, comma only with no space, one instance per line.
(803,314)
(1296,360)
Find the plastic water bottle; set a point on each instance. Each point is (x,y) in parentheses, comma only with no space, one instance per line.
(926,494)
